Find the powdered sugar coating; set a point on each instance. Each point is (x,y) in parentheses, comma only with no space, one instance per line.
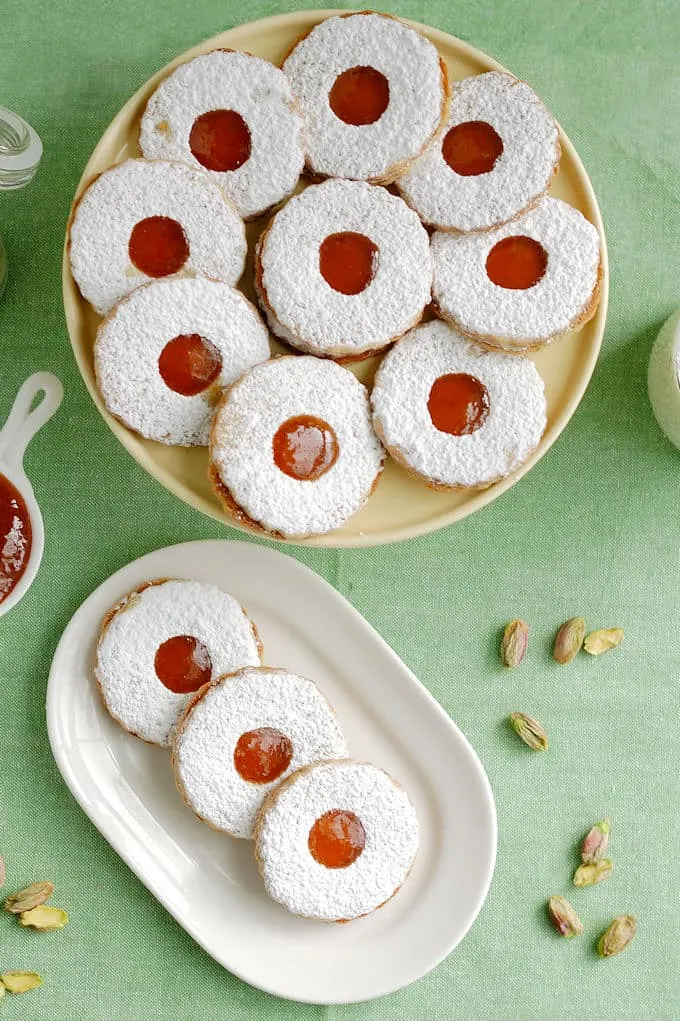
(319,319)
(132,191)
(512,430)
(244,427)
(125,670)
(203,752)
(131,339)
(523,171)
(510,318)
(253,88)
(417,95)
(297,881)
(273,325)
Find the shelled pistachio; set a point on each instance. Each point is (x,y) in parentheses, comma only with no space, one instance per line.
(590,875)
(596,842)
(30,897)
(20,981)
(618,936)
(569,639)
(514,643)
(563,917)
(529,730)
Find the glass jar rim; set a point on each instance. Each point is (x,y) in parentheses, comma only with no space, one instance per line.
(20,150)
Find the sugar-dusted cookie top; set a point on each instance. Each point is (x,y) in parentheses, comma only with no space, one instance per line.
(523,284)
(160,643)
(336,840)
(245,733)
(144,219)
(234,116)
(496,155)
(165,352)
(344,269)
(292,446)
(454,413)
(373,92)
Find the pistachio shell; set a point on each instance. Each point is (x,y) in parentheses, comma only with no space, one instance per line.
(31,897)
(43,918)
(20,981)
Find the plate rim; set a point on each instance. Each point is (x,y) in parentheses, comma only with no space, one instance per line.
(336,539)
(58,748)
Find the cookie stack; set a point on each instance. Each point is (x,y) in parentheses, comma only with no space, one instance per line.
(343,271)
(257,751)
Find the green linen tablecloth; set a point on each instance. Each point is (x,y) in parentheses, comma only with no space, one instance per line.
(592,530)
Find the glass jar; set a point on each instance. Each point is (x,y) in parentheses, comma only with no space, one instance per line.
(20,154)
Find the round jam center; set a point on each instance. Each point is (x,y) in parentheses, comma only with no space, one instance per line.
(336,839)
(348,261)
(158,246)
(220,140)
(15,536)
(458,404)
(472,148)
(359,95)
(189,363)
(262,755)
(517,262)
(183,664)
(305,447)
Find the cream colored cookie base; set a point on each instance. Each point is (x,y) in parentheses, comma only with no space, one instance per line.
(401,507)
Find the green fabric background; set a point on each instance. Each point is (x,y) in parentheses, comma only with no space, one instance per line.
(593,530)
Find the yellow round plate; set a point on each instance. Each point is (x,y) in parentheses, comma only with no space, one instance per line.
(401,507)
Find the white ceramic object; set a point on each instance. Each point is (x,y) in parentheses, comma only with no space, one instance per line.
(209,882)
(663,378)
(22,424)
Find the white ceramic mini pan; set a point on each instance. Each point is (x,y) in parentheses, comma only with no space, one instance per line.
(22,424)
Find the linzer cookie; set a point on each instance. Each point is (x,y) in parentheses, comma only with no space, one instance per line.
(343,270)
(161,643)
(336,840)
(145,219)
(234,116)
(454,414)
(373,92)
(241,735)
(495,157)
(164,353)
(292,448)
(524,284)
